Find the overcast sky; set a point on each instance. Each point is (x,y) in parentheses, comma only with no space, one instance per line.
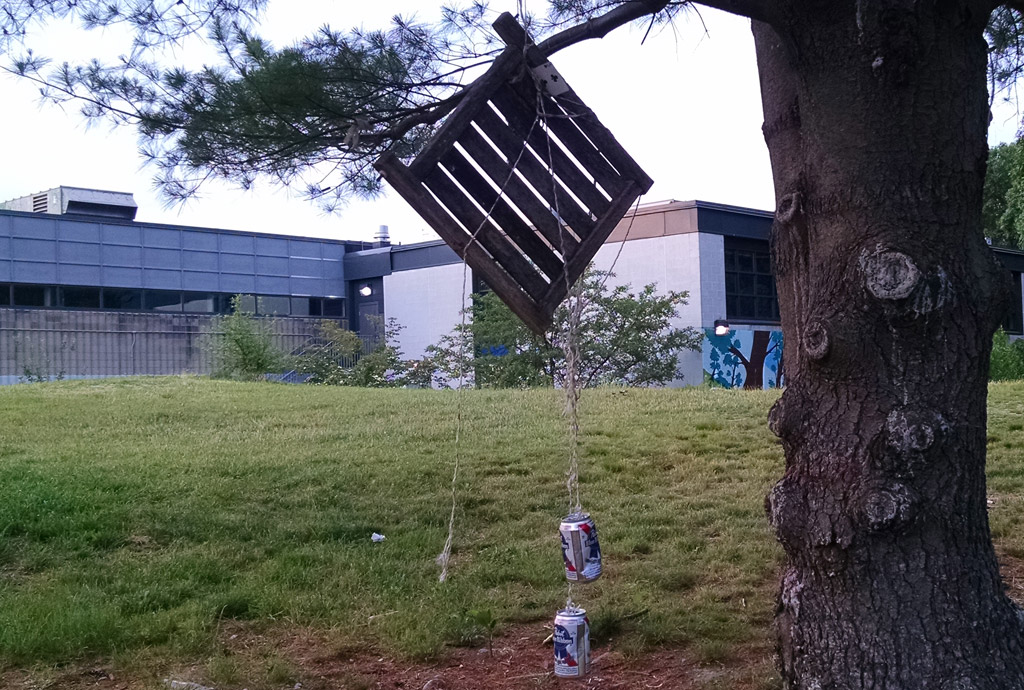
(685,104)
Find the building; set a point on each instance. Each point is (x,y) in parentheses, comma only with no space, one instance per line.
(75,260)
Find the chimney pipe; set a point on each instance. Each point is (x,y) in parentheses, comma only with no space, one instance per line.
(382,238)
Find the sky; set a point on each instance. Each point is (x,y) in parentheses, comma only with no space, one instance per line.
(685,103)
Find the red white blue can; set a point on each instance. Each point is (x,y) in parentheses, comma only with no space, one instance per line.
(572,643)
(580,549)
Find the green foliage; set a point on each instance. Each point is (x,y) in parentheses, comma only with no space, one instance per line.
(484,620)
(338,362)
(1003,207)
(329,357)
(242,345)
(623,338)
(1007,362)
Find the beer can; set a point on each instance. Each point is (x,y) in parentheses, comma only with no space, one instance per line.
(580,550)
(572,643)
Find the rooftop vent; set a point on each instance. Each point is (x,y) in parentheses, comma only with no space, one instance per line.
(77,201)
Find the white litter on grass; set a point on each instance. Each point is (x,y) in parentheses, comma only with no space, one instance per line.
(377,537)
(183,685)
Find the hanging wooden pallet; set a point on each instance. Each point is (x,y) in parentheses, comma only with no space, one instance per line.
(522,180)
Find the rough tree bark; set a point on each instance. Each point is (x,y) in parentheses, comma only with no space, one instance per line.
(875,117)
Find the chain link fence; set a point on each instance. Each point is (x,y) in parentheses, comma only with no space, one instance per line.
(54,344)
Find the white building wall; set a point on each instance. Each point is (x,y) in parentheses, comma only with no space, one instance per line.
(427,302)
(673,262)
(712,279)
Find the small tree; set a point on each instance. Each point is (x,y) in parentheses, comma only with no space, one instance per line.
(242,345)
(332,353)
(623,337)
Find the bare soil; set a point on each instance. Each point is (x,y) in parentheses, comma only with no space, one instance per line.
(521,659)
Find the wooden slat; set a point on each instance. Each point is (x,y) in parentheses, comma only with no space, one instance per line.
(520,120)
(398,176)
(507,256)
(566,130)
(522,196)
(475,99)
(576,264)
(537,175)
(515,36)
(512,225)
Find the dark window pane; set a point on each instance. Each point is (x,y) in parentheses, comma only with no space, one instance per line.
(300,306)
(246,303)
(5,294)
(316,306)
(730,306)
(268,304)
(222,304)
(744,284)
(764,308)
(114,298)
(730,259)
(745,262)
(80,297)
(201,302)
(730,282)
(763,263)
(32,295)
(764,286)
(745,307)
(162,300)
(1014,322)
(334,307)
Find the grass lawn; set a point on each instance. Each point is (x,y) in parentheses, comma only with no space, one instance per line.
(139,519)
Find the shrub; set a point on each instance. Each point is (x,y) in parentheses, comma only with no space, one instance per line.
(242,345)
(1007,358)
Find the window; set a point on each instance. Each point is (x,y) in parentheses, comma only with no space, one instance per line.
(162,300)
(1014,322)
(334,307)
(201,302)
(268,304)
(749,284)
(5,295)
(33,296)
(116,298)
(301,306)
(80,297)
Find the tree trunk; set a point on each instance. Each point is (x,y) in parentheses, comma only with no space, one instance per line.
(754,367)
(875,117)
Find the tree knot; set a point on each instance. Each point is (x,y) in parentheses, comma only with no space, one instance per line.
(888,505)
(889,274)
(816,340)
(790,206)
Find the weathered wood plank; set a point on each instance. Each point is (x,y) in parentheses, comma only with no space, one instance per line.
(536,174)
(484,231)
(511,224)
(398,176)
(515,36)
(520,121)
(577,263)
(476,98)
(522,197)
(569,133)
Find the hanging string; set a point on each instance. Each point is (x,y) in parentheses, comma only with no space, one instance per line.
(446,553)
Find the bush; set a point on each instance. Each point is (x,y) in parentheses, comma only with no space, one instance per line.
(1007,358)
(242,345)
(329,358)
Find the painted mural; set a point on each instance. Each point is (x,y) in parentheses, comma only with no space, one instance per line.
(743,359)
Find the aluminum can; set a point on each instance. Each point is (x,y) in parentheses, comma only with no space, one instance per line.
(580,549)
(572,643)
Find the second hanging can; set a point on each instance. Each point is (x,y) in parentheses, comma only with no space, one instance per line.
(580,549)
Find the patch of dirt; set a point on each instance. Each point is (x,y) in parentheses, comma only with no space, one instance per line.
(1012,570)
(520,659)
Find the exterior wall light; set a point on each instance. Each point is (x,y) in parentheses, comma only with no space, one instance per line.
(366,291)
(721,327)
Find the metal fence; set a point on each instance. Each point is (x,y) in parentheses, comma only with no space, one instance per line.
(52,344)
